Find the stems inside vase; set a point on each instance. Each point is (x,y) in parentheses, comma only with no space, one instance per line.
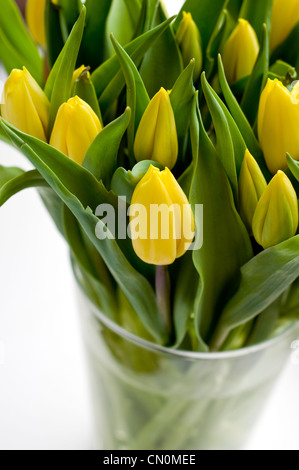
(163,294)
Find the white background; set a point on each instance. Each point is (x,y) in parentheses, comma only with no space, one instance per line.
(44,401)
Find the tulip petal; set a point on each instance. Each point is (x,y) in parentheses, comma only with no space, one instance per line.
(278,122)
(159,247)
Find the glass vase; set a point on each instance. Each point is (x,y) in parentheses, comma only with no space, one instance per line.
(147,397)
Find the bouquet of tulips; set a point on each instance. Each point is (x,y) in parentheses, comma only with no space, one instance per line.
(126,113)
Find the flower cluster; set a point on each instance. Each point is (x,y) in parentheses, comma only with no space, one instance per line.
(201,109)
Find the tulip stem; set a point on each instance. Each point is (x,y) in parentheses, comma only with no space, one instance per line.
(163,294)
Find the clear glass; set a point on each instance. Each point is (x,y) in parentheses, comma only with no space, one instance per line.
(150,398)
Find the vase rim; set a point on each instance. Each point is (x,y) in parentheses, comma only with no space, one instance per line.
(138,341)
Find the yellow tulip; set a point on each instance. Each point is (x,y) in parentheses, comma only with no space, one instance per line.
(252,185)
(278,124)
(156,137)
(25,105)
(75,128)
(188,37)
(285,16)
(35,17)
(163,230)
(276,216)
(240,52)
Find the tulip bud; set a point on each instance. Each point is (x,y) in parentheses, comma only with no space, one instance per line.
(188,37)
(278,123)
(77,73)
(252,185)
(276,216)
(75,128)
(285,16)
(25,105)
(165,220)
(35,17)
(240,52)
(156,137)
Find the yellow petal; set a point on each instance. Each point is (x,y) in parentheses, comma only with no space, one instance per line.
(156,137)
(25,105)
(278,121)
(185,223)
(75,128)
(60,128)
(35,17)
(83,128)
(151,192)
(167,222)
(285,16)
(276,216)
(240,52)
(77,74)
(39,99)
(252,185)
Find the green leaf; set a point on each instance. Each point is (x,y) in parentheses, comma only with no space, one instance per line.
(239,87)
(70,10)
(162,64)
(151,7)
(109,80)
(217,42)
(121,23)
(185,180)
(293,166)
(124,182)
(263,280)
(137,97)
(231,145)
(9,56)
(283,71)
(187,280)
(54,206)
(238,338)
(240,119)
(129,320)
(265,324)
(287,51)
(54,34)
(142,25)
(257,13)
(14,180)
(290,307)
(102,292)
(9,173)
(257,81)
(16,40)
(4,137)
(226,244)
(181,98)
(101,157)
(135,286)
(81,183)
(205,14)
(92,48)
(134,8)
(234,7)
(89,191)
(84,88)
(58,87)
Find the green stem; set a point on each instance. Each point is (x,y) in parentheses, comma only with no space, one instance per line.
(163,294)
(219,338)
